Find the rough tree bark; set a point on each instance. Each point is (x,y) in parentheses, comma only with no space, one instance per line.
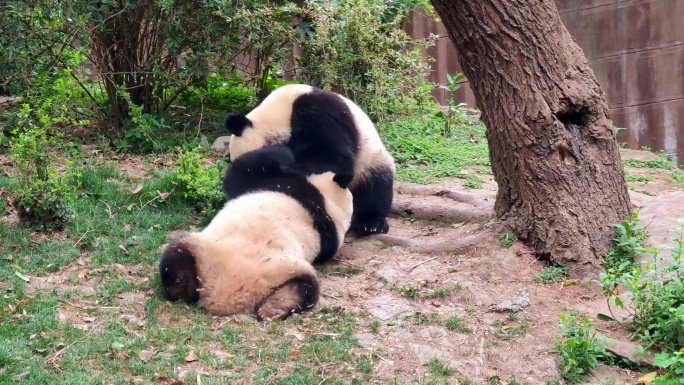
(551,141)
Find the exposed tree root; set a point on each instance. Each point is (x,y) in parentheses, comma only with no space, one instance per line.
(460,245)
(446,214)
(458,196)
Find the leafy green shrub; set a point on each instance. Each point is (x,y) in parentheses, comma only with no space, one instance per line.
(220,95)
(656,293)
(200,183)
(44,199)
(628,245)
(358,49)
(673,363)
(554,273)
(656,290)
(578,346)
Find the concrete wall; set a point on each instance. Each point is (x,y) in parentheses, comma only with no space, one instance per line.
(636,49)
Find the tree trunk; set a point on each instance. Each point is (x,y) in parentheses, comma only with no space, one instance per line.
(551,141)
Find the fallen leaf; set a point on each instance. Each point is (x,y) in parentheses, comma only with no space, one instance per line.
(20,377)
(191,357)
(647,379)
(88,318)
(122,248)
(224,355)
(168,381)
(145,355)
(22,276)
(82,261)
(137,189)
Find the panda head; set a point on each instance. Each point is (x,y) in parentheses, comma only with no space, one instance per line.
(268,161)
(268,123)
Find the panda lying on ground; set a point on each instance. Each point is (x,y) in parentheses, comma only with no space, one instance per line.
(326,132)
(256,254)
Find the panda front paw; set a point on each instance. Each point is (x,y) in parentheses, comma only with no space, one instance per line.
(365,227)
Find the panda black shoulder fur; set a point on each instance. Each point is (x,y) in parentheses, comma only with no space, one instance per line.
(326,132)
(256,253)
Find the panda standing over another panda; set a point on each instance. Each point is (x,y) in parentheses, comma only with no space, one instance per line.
(326,132)
(256,253)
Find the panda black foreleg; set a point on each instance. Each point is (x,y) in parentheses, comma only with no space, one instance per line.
(294,296)
(178,271)
(372,203)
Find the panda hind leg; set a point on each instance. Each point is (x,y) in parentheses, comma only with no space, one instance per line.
(178,271)
(295,296)
(372,203)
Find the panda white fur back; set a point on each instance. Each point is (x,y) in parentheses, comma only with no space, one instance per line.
(256,243)
(257,251)
(326,132)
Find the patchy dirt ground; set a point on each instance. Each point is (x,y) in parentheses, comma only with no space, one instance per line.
(498,344)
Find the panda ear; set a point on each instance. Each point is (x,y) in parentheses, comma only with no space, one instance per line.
(236,123)
(343,180)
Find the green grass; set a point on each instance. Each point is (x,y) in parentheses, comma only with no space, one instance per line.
(663,162)
(456,323)
(423,154)
(473,182)
(83,329)
(677,176)
(438,368)
(639,178)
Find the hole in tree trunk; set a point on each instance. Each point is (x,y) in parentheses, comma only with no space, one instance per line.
(573,115)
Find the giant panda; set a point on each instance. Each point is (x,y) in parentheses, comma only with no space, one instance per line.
(256,253)
(326,132)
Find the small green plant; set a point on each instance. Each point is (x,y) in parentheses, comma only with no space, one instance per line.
(578,346)
(410,292)
(512,328)
(451,269)
(45,199)
(628,245)
(455,115)
(425,319)
(677,176)
(656,292)
(457,324)
(199,182)
(553,273)
(673,364)
(375,326)
(639,178)
(438,368)
(439,292)
(507,239)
